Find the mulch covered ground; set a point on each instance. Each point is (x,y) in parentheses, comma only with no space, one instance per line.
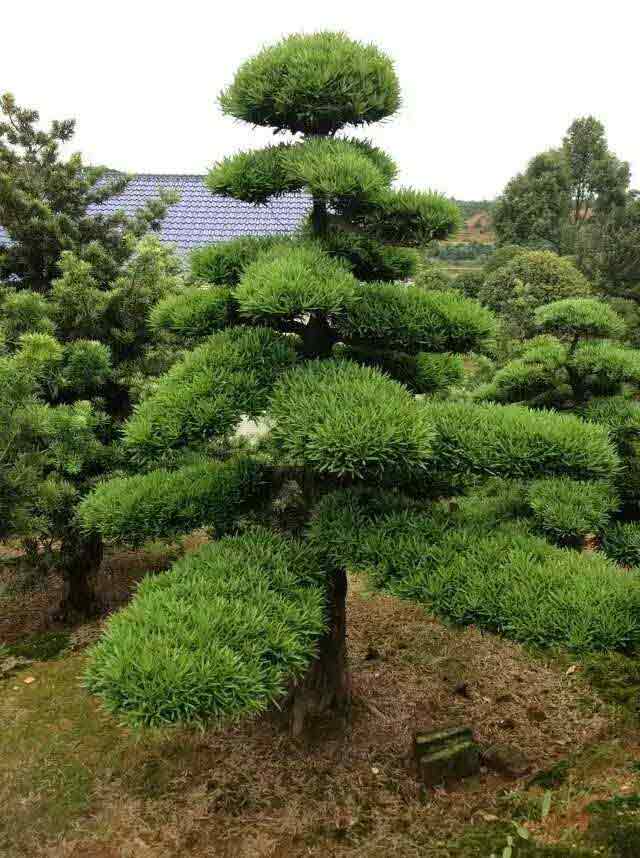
(249,791)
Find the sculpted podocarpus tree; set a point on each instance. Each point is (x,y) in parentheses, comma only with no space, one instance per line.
(316,337)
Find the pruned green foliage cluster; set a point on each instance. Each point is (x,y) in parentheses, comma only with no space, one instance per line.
(367,259)
(192,313)
(573,317)
(621,542)
(220,635)
(411,217)
(571,509)
(513,441)
(303,280)
(411,319)
(255,175)
(482,565)
(348,420)
(314,84)
(204,395)
(223,263)
(165,503)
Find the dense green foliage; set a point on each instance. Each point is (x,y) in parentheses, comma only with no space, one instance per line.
(192,313)
(412,319)
(164,503)
(549,204)
(512,441)
(570,509)
(220,635)
(506,580)
(515,290)
(204,395)
(45,203)
(223,263)
(348,420)
(314,84)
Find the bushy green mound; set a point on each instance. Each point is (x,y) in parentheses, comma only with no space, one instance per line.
(314,84)
(219,636)
(621,542)
(304,280)
(336,170)
(223,263)
(350,420)
(411,319)
(410,217)
(421,373)
(571,509)
(586,317)
(165,503)
(530,279)
(367,259)
(192,313)
(505,579)
(512,441)
(204,395)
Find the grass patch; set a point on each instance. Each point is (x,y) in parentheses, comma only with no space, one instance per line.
(40,647)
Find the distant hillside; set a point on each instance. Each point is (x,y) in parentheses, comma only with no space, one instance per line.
(478,225)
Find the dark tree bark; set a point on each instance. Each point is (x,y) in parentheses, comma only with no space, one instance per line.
(81,557)
(318,338)
(326,688)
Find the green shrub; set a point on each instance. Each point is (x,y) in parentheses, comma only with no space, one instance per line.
(435,372)
(195,312)
(483,566)
(571,509)
(528,281)
(349,420)
(334,170)
(606,365)
(432,277)
(23,312)
(367,259)
(421,373)
(410,217)
(219,636)
(301,281)
(512,441)
(164,503)
(574,317)
(469,283)
(224,262)
(501,257)
(314,84)
(253,176)
(621,542)
(86,366)
(411,319)
(204,395)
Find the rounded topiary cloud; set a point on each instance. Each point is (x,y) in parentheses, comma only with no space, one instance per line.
(314,84)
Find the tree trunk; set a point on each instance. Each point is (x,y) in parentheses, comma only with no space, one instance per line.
(317,337)
(319,217)
(326,687)
(81,558)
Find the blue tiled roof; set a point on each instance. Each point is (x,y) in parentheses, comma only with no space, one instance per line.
(202,217)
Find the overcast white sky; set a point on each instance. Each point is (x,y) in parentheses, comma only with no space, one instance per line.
(486,83)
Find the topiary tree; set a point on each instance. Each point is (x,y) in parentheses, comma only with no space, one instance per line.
(297,341)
